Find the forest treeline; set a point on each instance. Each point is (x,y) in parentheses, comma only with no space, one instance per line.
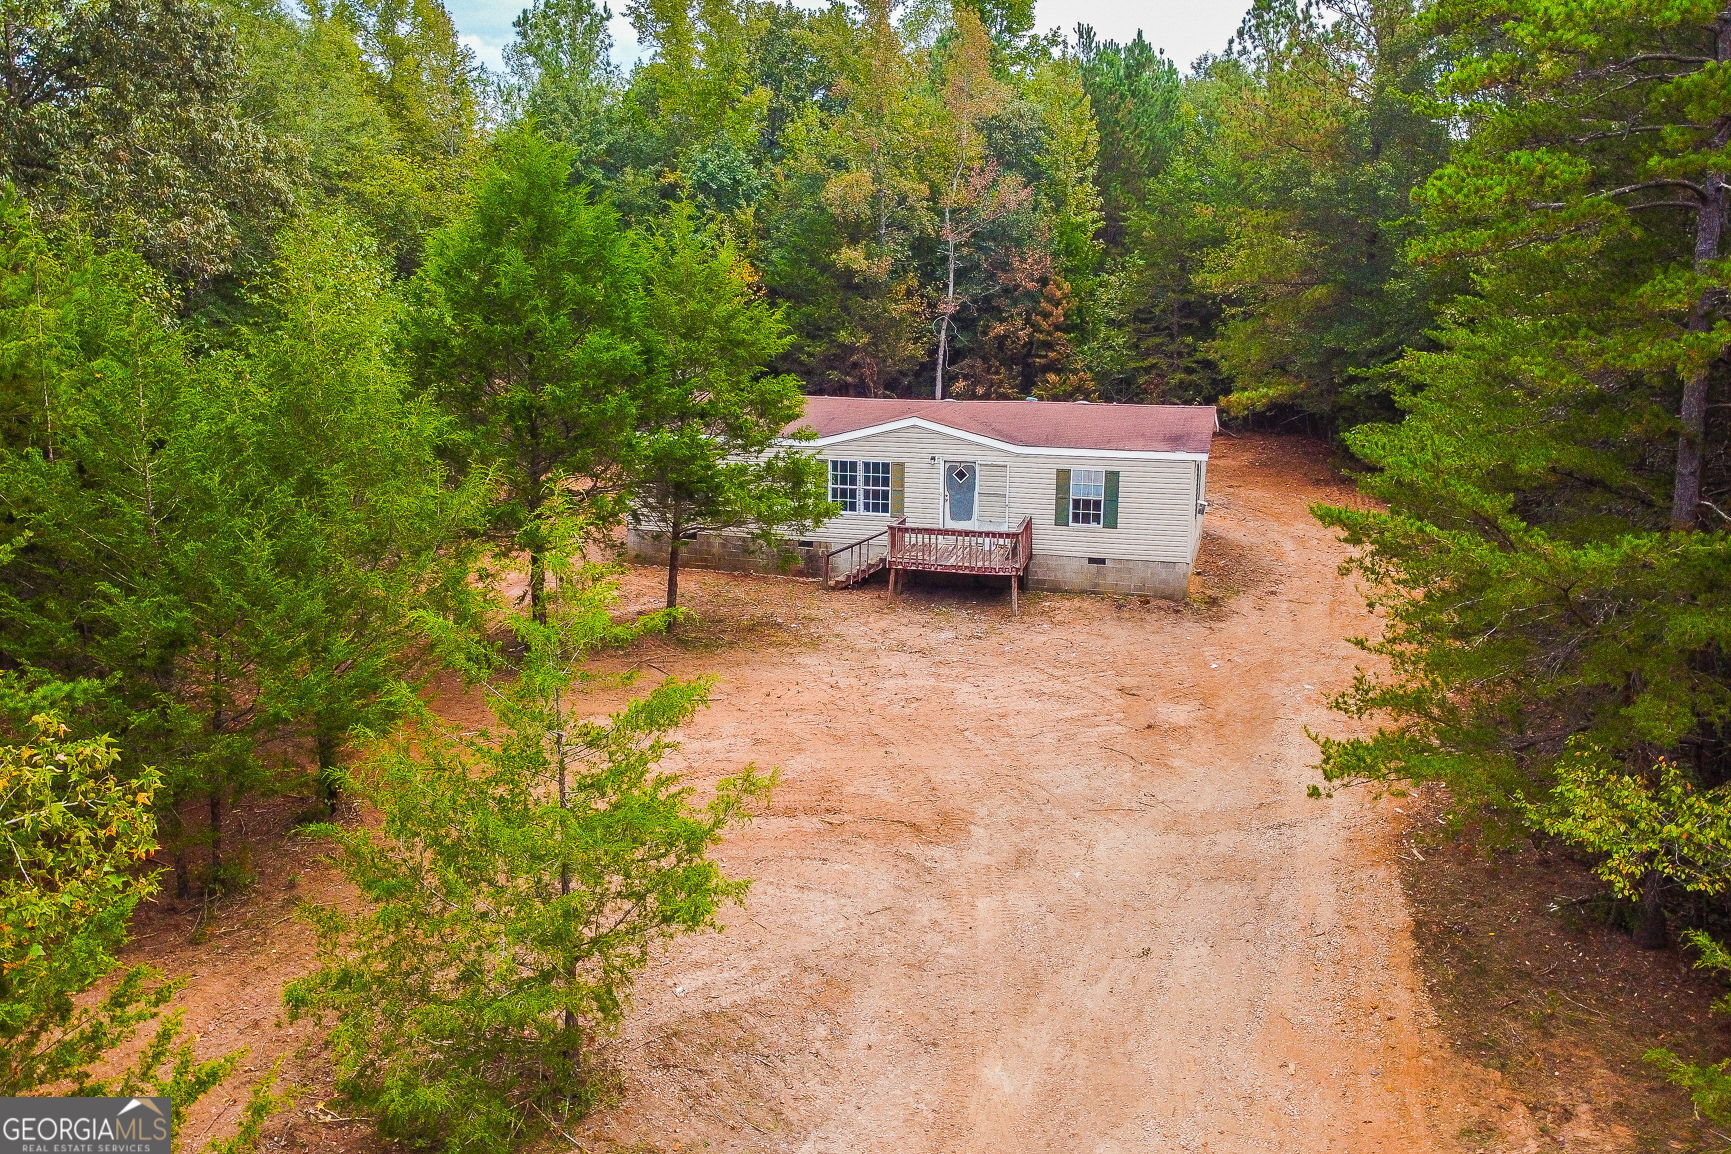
(312,332)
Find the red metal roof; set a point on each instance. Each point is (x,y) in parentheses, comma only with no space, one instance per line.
(1029,424)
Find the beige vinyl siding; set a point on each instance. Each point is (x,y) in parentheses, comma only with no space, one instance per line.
(1156,498)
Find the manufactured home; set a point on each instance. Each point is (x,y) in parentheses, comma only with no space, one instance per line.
(1049,494)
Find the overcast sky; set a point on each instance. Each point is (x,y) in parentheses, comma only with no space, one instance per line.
(1184,28)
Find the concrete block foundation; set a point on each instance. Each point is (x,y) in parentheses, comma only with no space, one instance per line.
(1120,575)
(729,554)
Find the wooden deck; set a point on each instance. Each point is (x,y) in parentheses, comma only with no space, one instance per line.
(903,548)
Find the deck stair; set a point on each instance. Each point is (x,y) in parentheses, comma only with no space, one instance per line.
(853,563)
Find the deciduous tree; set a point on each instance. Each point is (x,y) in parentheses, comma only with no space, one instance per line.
(76,835)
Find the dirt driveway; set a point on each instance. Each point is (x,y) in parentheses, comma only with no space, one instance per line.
(1052,882)
(1046,884)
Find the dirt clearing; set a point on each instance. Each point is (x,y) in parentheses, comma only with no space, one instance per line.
(1052,882)
(1029,884)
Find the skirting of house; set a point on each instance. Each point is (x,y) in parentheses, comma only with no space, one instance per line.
(1169,579)
(1048,571)
(728,554)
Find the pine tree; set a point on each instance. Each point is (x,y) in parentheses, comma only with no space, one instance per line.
(366,537)
(524,328)
(1549,584)
(134,566)
(516,882)
(1057,375)
(706,458)
(1319,145)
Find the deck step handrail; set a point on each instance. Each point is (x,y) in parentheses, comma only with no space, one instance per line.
(855,569)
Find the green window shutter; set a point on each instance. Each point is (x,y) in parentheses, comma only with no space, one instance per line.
(1110,518)
(1061,499)
(898,487)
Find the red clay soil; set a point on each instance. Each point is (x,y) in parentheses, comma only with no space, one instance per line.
(1036,883)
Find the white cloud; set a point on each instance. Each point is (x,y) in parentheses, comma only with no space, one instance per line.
(626,50)
(491,55)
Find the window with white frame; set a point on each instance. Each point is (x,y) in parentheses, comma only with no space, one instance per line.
(860,486)
(874,487)
(1087,496)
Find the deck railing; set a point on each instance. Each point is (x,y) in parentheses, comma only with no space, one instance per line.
(1004,552)
(855,561)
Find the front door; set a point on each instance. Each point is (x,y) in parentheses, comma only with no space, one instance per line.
(961,494)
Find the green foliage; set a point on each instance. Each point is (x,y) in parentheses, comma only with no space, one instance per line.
(186,542)
(848,212)
(566,83)
(1321,145)
(1709,1085)
(705,458)
(421,75)
(1136,96)
(517,881)
(74,836)
(127,113)
(524,329)
(1558,614)
(1534,588)
(319,412)
(316,91)
(1635,826)
(133,565)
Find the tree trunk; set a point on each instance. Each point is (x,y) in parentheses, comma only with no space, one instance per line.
(325,746)
(673,544)
(1692,412)
(537,585)
(1651,930)
(534,497)
(215,809)
(1709,240)
(174,833)
(948,308)
(574,1052)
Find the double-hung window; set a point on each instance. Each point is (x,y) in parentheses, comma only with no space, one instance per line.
(860,486)
(1087,496)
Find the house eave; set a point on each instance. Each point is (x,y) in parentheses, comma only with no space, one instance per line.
(990,442)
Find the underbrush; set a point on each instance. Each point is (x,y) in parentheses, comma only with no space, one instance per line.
(1532,973)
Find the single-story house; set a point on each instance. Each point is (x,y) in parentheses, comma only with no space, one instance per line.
(1059,495)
